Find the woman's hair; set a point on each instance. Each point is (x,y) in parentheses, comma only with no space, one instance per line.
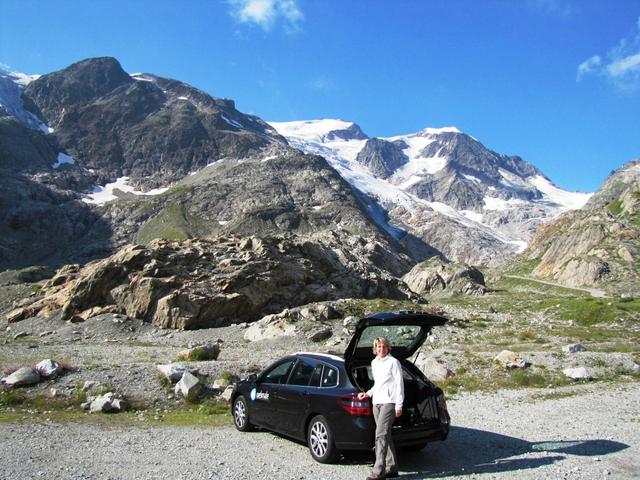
(378,340)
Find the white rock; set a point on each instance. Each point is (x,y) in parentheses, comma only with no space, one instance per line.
(509,359)
(49,368)
(226,395)
(350,322)
(90,385)
(263,331)
(21,377)
(189,386)
(578,373)
(173,371)
(108,403)
(434,368)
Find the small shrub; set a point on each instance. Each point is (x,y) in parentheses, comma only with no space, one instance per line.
(615,207)
(10,397)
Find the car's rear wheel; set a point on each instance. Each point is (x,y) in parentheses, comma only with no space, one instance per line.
(320,440)
(241,414)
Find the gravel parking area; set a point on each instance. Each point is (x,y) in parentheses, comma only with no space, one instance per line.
(588,432)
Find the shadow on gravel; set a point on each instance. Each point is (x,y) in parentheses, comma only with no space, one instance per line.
(469,451)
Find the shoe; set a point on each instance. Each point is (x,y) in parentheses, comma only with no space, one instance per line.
(392,473)
(375,477)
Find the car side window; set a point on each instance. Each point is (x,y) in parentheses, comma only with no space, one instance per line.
(302,373)
(278,374)
(315,377)
(329,377)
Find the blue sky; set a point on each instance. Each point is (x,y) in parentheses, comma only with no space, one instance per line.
(554,81)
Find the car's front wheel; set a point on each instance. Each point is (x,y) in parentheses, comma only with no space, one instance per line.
(320,440)
(241,414)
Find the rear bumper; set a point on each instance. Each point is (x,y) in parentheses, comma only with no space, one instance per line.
(417,435)
(356,434)
(360,434)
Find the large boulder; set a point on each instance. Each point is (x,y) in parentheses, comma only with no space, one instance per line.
(49,368)
(209,351)
(433,367)
(440,276)
(22,377)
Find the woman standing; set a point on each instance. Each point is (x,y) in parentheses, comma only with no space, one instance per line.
(387,396)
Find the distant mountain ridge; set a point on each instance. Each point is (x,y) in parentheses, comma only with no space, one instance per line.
(94,133)
(440,186)
(222,172)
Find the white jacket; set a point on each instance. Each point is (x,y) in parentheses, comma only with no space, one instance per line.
(388,386)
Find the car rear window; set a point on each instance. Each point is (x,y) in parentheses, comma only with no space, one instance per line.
(398,335)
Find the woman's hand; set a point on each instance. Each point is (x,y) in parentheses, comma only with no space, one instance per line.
(362,395)
(398,412)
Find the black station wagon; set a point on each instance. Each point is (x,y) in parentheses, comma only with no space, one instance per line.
(313,397)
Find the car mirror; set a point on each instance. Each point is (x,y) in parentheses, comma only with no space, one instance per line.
(253,378)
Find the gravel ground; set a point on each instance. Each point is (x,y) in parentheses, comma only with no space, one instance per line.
(592,434)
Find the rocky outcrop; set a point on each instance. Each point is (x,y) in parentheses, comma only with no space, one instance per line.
(209,283)
(597,245)
(439,276)
(381,157)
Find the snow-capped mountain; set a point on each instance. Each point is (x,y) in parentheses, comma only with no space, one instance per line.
(440,185)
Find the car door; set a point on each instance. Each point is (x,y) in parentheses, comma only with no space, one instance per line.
(263,395)
(291,401)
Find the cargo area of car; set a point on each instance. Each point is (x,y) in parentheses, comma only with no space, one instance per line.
(420,395)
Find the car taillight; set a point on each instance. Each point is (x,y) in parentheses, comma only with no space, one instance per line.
(354,406)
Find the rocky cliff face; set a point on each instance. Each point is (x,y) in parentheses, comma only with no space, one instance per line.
(598,245)
(211,283)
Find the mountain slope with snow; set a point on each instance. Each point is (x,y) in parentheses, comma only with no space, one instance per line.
(440,185)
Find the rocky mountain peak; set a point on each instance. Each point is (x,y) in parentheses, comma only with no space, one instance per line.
(383,158)
(79,83)
(351,132)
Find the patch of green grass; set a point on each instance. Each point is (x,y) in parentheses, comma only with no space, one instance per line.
(10,397)
(590,311)
(174,222)
(615,207)
(554,395)
(631,346)
(198,354)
